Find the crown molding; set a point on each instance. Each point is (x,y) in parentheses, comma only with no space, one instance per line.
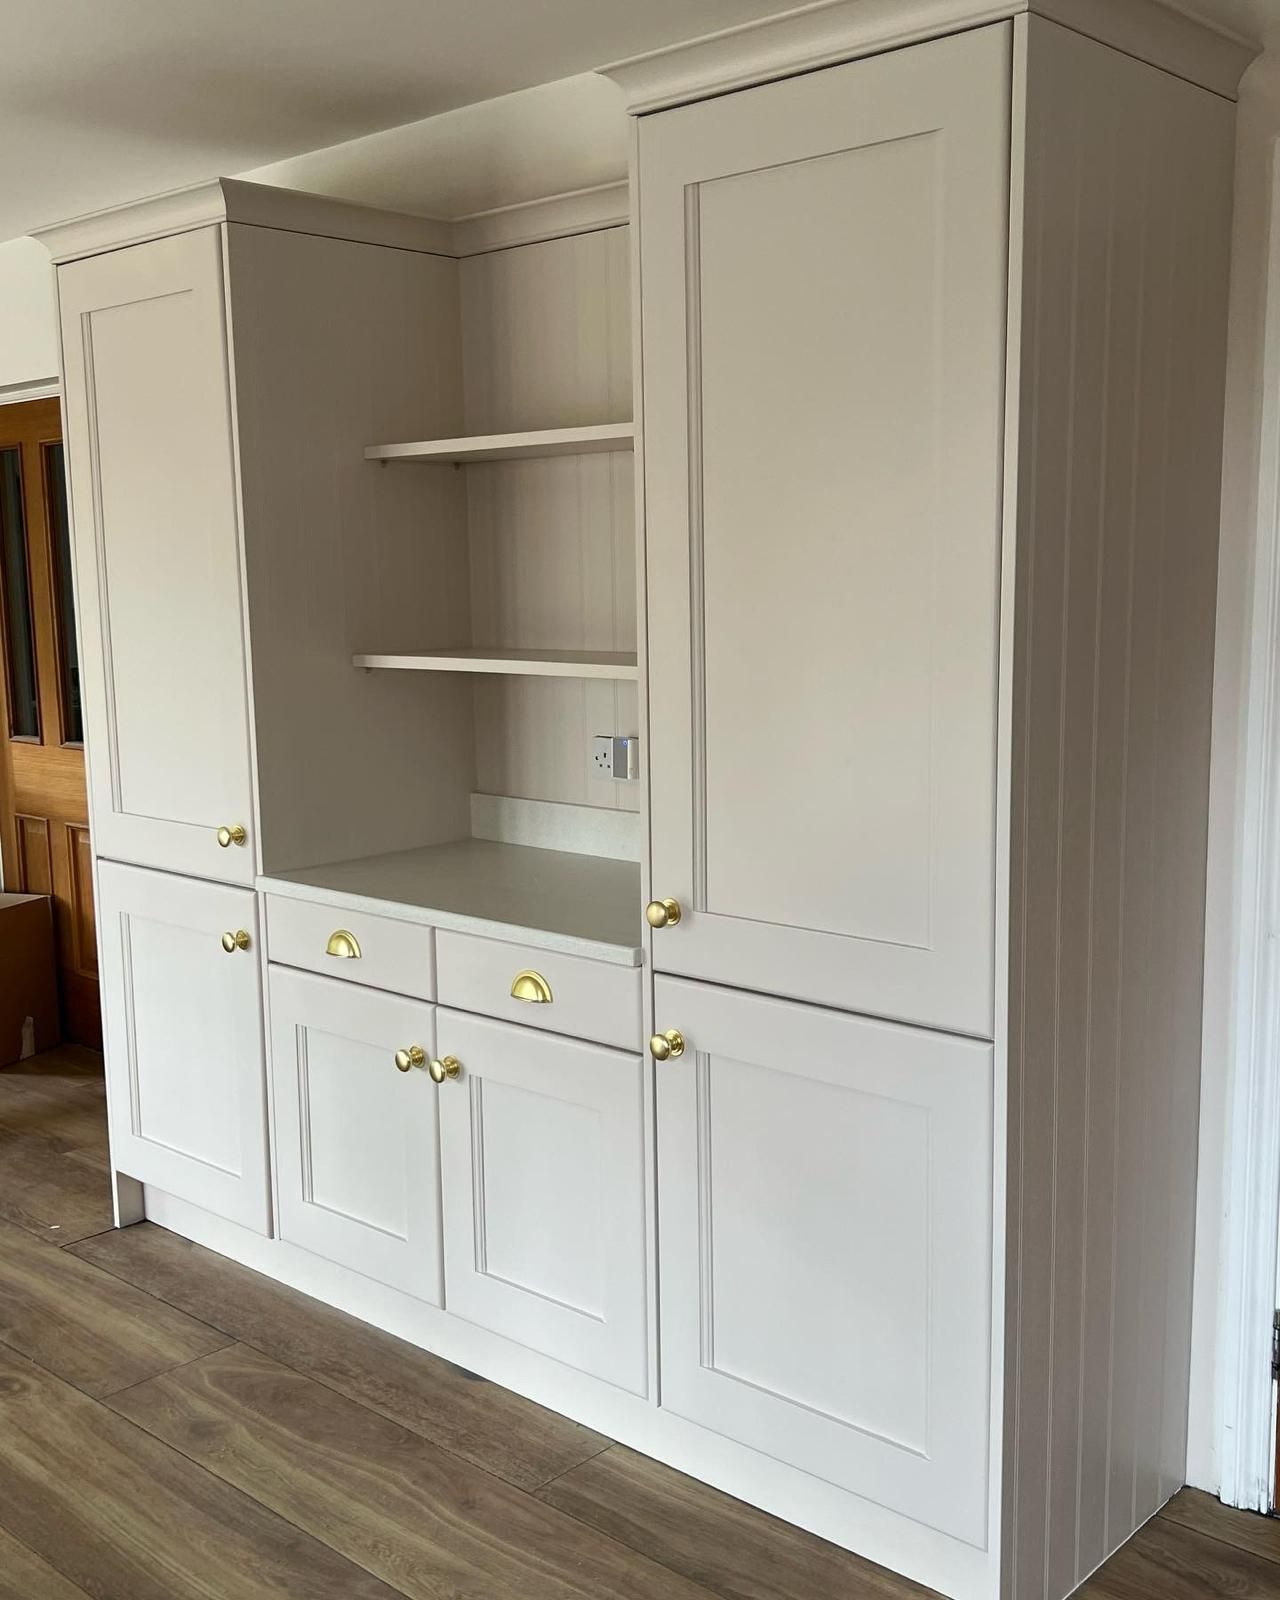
(264,205)
(580,211)
(832,31)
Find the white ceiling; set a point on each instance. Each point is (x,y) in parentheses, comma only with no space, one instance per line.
(104,101)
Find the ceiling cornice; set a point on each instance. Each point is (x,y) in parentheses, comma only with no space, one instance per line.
(842,30)
(265,205)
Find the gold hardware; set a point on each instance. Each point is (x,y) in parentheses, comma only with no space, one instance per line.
(233,835)
(449,1067)
(414,1056)
(662,913)
(666,1046)
(531,986)
(344,945)
(239,940)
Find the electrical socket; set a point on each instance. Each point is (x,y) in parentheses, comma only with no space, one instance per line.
(615,757)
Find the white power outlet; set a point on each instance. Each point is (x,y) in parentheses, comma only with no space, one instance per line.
(615,757)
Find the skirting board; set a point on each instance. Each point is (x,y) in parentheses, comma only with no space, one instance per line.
(551,825)
(882,1536)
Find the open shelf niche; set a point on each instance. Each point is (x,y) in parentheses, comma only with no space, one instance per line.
(454,638)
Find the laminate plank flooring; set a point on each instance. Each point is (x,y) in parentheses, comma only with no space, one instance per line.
(507,1435)
(24,1576)
(91,1329)
(427,1522)
(54,1178)
(730,1548)
(126,1518)
(176,1427)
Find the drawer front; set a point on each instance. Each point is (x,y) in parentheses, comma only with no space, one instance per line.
(376,951)
(540,989)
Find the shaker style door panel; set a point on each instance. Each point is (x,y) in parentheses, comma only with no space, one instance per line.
(153,491)
(544,1238)
(824,1211)
(357,1148)
(182,1023)
(824,264)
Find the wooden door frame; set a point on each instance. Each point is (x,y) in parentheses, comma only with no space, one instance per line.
(31,439)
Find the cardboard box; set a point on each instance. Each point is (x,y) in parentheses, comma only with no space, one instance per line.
(28,977)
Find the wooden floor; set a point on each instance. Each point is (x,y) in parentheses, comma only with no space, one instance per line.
(173,1425)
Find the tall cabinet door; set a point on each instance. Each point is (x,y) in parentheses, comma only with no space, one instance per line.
(153,489)
(824,263)
(824,1207)
(182,1022)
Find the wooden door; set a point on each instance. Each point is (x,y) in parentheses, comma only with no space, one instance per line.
(357,1147)
(44,815)
(542,1154)
(824,1210)
(182,1015)
(153,488)
(824,263)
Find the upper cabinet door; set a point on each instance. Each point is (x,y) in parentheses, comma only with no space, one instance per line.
(153,487)
(825,264)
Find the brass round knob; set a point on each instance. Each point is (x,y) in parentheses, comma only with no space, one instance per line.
(666,1046)
(662,913)
(447,1067)
(414,1056)
(239,940)
(233,835)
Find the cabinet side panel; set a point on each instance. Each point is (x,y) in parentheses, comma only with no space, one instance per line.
(339,345)
(1128,198)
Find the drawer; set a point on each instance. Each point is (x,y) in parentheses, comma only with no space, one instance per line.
(589,999)
(378,951)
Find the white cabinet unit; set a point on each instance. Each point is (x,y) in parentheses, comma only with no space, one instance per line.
(357,1155)
(824,1206)
(825,267)
(922,424)
(182,1024)
(153,488)
(543,1163)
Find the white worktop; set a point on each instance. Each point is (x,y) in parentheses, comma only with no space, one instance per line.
(580,905)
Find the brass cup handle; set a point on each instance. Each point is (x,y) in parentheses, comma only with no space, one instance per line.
(234,835)
(446,1067)
(344,945)
(662,913)
(414,1056)
(667,1046)
(531,987)
(239,940)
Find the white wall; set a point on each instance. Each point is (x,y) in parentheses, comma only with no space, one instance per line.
(28,333)
(1258,131)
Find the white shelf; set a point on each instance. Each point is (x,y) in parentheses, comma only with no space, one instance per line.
(511,446)
(516,663)
(579,905)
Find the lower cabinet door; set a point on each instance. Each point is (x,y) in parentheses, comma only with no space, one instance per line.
(544,1236)
(824,1217)
(182,1026)
(357,1145)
